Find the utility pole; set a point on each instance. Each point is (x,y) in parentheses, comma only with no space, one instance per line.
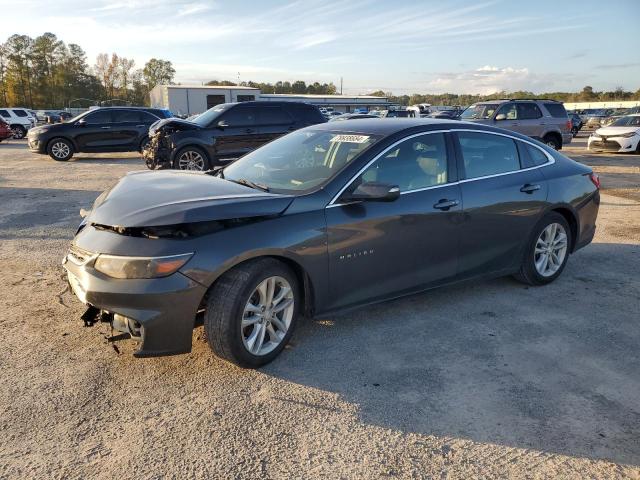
(340,85)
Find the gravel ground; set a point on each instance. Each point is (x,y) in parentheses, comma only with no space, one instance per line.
(488,379)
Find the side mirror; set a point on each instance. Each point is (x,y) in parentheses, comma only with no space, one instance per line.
(222,124)
(374,192)
(500,117)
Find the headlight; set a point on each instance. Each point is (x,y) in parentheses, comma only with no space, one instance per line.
(626,135)
(140,267)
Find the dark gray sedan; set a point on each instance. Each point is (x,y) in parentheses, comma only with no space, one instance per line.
(326,218)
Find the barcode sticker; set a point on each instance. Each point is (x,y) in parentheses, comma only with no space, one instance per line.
(350,138)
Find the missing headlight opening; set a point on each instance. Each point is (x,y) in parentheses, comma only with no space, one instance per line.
(180,231)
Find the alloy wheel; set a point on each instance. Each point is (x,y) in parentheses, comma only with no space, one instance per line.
(18,132)
(267,316)
(60,150)
(550,250)
(191,160)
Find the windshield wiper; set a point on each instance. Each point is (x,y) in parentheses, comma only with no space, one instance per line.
(250,184)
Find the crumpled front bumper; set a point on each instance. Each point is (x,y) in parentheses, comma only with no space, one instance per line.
(164,307)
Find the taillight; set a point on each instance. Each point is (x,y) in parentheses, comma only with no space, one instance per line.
(595,179)
(569,125)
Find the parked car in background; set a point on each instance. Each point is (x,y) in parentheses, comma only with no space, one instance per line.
(108,129)
(352,116)
(544,120)
(594,119)
(576,123)
(224,133)
(623,135)
(55,116)
(333,216)
(19,120)
(451,114)
(5,131)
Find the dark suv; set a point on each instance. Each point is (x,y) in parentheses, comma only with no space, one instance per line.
(544,120)
(109,129)
(223,133)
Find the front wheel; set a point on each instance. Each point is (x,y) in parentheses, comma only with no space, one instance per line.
(60,149)
(251,312)
(547,251)
(192,158)
(18,131)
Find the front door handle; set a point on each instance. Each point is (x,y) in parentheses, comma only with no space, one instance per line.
(529,188)
(140,125)
(105,128)
(445,204)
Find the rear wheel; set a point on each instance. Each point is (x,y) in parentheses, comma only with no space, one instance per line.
(192,158)
(60,149)
(251,312)
(552,141)
(547,252)
(18,131)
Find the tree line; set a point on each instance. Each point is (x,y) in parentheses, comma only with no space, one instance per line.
(587,94)
(44,72)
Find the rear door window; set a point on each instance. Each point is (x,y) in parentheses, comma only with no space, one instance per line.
(509,111)
(20,113)
(148,118)
(528,111)
(536,155)
(556,110)
(274,116)
(5,113)
(126,116)
(487,154)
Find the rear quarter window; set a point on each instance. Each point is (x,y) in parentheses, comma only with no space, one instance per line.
(306,114)
(5,113)
(556,110)
(487,154)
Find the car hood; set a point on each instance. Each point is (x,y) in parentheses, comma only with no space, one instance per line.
(144,199)
(612,131)
(173,123)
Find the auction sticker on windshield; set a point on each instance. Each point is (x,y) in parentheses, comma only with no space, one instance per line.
(350,138)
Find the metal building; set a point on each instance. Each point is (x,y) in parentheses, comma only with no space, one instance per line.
(189,100)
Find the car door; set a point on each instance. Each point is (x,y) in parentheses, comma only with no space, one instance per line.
(129,128)
(273,122)
(531,121)
(237,132)
(507,117)
(378,249)
(92,133)
(503,198)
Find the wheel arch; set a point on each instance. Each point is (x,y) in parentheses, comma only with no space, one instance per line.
(304,279)
(572,219)
(554,134)
(180,147)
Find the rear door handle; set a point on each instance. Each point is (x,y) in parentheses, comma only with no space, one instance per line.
(445,204)
(529,188)
(140,125)
(105,128)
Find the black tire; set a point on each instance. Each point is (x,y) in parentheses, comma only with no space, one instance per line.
(528,273)
(18,131)
(56,149)
(206,164)
(574,131)
(225,306)
(552,141)
(143,144)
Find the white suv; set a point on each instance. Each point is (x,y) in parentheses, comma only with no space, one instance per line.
(19,120)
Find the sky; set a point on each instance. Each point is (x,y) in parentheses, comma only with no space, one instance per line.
(399,46)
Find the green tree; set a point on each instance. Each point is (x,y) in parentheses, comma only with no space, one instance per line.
(158,72)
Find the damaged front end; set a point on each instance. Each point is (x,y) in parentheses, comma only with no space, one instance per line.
(157,154)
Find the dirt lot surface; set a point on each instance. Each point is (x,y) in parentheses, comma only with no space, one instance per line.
(489,379)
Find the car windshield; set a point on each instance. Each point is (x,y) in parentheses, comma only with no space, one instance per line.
(207,118)
(300,161)
(630,121)
(481,111)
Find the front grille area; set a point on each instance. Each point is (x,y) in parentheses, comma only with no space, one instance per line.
(609,145)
